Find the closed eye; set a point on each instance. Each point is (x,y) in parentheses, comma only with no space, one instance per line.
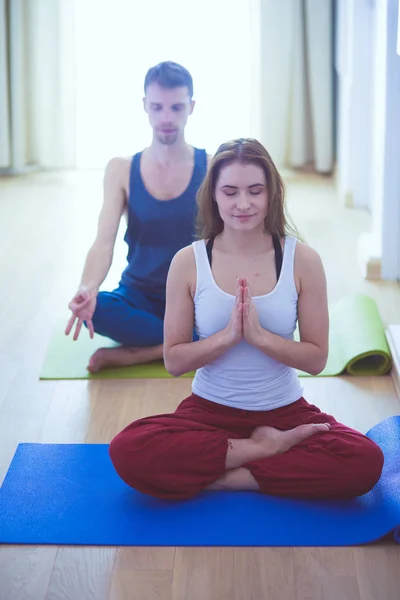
(254,189)
(252,192)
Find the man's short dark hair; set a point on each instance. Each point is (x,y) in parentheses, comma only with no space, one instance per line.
(169,75)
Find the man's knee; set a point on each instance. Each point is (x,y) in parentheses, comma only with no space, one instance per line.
(101,316)
(117,319)
(111,317)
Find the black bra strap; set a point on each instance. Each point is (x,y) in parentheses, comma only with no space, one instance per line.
(278,255)
(277,248)
(209,248)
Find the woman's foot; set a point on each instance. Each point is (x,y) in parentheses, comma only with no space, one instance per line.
(276,441)
(239,480)
(123,356)
(264,442)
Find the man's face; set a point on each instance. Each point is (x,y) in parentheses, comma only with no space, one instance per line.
(168,111)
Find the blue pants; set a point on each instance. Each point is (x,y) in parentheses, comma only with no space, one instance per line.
(129,317)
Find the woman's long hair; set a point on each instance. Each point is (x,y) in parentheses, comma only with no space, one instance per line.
(246,151)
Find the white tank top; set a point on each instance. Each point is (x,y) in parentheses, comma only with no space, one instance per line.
(244,377)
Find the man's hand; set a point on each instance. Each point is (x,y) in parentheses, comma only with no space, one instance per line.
(82,305)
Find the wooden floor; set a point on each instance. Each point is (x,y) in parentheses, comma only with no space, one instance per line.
(46,224)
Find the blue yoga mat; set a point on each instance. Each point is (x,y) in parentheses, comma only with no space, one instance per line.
(70,494)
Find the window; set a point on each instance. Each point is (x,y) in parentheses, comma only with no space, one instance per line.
(118,40)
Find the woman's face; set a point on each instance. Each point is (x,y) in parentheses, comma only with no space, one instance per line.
(241,196)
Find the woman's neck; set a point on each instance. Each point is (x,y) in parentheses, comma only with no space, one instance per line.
(244,242)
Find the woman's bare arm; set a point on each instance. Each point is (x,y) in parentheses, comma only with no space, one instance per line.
(181,354)
(310,354)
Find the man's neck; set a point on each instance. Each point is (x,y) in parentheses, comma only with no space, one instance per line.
(165,154)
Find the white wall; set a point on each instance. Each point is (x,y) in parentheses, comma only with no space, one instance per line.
(377,167)
(4,108)
(383,240)
(389,211)
(368,67)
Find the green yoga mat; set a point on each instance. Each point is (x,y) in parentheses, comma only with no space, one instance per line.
(357,339)
(357,346)
(67,359)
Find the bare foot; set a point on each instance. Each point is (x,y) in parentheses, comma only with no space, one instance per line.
(276,441)
(123,356)
(235,479)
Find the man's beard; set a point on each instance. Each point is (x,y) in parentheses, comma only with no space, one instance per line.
(167,139)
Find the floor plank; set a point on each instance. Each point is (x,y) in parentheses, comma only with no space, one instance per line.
(82,573)
(145,559)
(325,574)
(25,571)
(264,573)
(141,585)
(203,573)
(378,571)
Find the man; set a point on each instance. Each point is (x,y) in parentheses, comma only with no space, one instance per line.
(156,191)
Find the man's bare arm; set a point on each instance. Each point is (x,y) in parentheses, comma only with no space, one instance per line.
(100,255)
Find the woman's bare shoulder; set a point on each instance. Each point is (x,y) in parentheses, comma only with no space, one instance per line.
(184,258)
(183,268)
(307,257)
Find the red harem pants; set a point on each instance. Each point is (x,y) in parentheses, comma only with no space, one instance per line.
(175,456)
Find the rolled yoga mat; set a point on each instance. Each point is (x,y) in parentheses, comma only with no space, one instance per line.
(357,346)
(357,339)
(70,494)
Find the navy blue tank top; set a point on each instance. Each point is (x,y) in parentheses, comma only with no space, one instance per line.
(157,229)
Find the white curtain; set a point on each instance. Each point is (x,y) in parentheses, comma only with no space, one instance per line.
(116,43)
(293,81)
(4,108)
(71,87)
(37,95)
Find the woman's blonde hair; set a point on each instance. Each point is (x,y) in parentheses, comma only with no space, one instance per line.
(243,150)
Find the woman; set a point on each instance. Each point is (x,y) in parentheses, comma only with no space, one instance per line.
(244,285)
